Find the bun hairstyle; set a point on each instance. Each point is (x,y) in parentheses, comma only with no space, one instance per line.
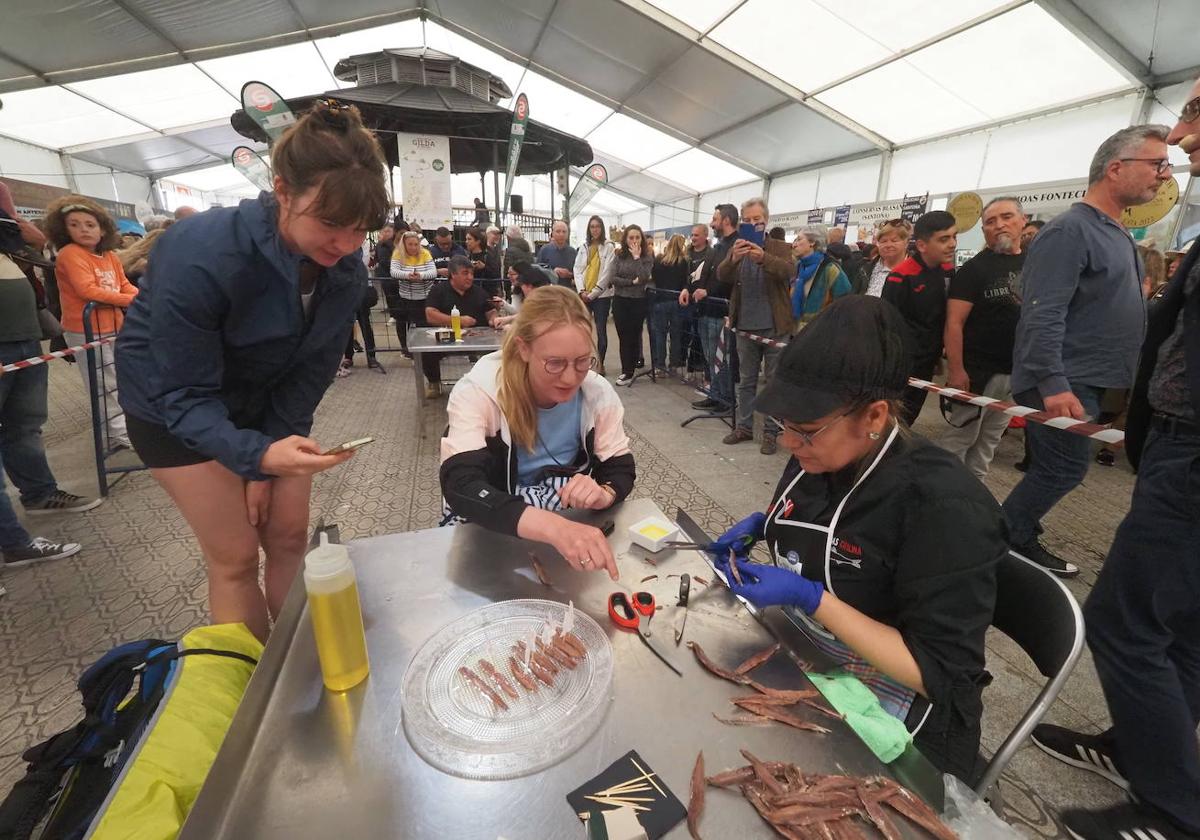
(330,150)
(55,221)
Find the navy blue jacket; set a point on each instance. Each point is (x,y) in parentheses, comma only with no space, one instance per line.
(1163,318)
(215,346)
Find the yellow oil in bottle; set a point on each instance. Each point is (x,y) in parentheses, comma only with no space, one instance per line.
(456,323)
(341,643)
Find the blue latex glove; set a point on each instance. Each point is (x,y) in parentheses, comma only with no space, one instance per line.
(741,537)
(768,586)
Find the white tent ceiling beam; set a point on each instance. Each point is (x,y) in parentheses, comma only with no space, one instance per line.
(1091,33)
(80,74)
(580,88)
(132,138)
(929,42)
(1188,74)
(701,40)
(1026,116)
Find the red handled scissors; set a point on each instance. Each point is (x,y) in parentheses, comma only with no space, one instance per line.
(627,614)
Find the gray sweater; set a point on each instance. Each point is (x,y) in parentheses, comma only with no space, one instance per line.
(626,270)
(1083,317)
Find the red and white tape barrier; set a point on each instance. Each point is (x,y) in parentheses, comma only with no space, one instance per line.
(1104,434)
(57,354)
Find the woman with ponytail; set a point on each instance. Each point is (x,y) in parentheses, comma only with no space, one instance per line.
(236,333)
(535,430)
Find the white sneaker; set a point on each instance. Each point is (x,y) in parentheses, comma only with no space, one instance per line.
(624,379)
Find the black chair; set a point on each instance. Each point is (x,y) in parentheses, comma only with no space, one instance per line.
(1036,611)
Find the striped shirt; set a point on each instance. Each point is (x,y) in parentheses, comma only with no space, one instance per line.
(403,267)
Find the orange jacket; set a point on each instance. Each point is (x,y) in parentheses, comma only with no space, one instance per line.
(84,277)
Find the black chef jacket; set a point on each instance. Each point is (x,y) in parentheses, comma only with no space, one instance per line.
(915,547)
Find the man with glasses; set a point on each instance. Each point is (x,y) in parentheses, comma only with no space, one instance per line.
(1143,616)
(982,311)
(1082,322)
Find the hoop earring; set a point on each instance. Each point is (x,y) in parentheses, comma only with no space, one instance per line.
(873,435)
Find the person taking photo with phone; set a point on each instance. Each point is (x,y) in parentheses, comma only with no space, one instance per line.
(231,343)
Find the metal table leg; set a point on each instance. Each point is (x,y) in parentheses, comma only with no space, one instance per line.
(418,376)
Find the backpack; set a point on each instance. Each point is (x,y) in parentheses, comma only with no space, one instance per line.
(71,775)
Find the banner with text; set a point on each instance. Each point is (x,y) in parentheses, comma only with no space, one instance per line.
(425,178)
(515,138)
(267,108)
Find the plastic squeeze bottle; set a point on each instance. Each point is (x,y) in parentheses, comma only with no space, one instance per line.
(456,323)
(336,615)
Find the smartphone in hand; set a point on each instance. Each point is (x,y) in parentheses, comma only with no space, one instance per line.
(751,233)
(348,446)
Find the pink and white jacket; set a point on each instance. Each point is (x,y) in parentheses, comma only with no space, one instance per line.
(479,464)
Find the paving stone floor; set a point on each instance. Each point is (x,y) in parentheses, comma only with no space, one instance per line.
(140,573)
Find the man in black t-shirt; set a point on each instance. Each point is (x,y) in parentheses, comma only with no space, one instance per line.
(982,310)
(474,307)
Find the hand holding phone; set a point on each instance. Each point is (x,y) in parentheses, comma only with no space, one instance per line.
(349,446)
(752,233)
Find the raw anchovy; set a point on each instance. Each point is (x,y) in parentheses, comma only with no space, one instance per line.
(475,680)
(490,670)
(540,571)
(696,801)
(519,675)
(714,668)
(757,659)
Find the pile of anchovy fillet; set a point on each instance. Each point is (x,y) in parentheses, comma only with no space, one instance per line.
(798,805)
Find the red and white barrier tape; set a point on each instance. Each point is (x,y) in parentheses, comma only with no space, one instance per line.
(1104,434)
(57,354)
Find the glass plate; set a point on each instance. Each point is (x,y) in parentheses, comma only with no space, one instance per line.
(456,728)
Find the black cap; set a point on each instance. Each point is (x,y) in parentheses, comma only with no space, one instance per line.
(442,231)
(852,353)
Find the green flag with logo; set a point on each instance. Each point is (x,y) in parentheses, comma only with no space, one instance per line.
(594,178)
(515,138)
(267,108)
(253,167)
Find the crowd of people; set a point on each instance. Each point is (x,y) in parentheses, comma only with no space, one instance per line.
(230,326)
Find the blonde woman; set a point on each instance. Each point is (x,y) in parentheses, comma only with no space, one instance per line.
(670,277)
(413,271)
(534,430)
(891,240)
(593,264)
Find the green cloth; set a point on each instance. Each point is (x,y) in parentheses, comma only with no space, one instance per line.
(884,734)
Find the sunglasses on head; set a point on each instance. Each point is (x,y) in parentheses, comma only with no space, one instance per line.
(1191,110)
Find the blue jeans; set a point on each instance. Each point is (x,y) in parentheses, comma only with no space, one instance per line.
(22,414)
(1058,463)
(601,307)
(721,387)
(666,318)
(1143,628)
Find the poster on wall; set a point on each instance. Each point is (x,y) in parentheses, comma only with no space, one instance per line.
(913,206)
(816,217)
(425,178)
(841,216)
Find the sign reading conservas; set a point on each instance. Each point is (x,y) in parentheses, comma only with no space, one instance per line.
(425,178)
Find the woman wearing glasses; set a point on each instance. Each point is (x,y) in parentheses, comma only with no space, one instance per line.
(883,546)
(533,430)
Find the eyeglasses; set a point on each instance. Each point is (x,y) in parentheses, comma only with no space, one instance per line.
(556,365)
(1191,110)
(1161,165)
(807,437)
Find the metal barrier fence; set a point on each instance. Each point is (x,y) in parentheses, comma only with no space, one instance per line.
(97,368)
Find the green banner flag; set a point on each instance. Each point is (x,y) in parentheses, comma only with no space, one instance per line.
(267,108)
(594,179)
(515,138)
(254,168)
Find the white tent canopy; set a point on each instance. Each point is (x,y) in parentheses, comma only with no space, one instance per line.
(816,101)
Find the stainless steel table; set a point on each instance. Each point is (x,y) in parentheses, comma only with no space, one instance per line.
(301,762)
(479,340)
